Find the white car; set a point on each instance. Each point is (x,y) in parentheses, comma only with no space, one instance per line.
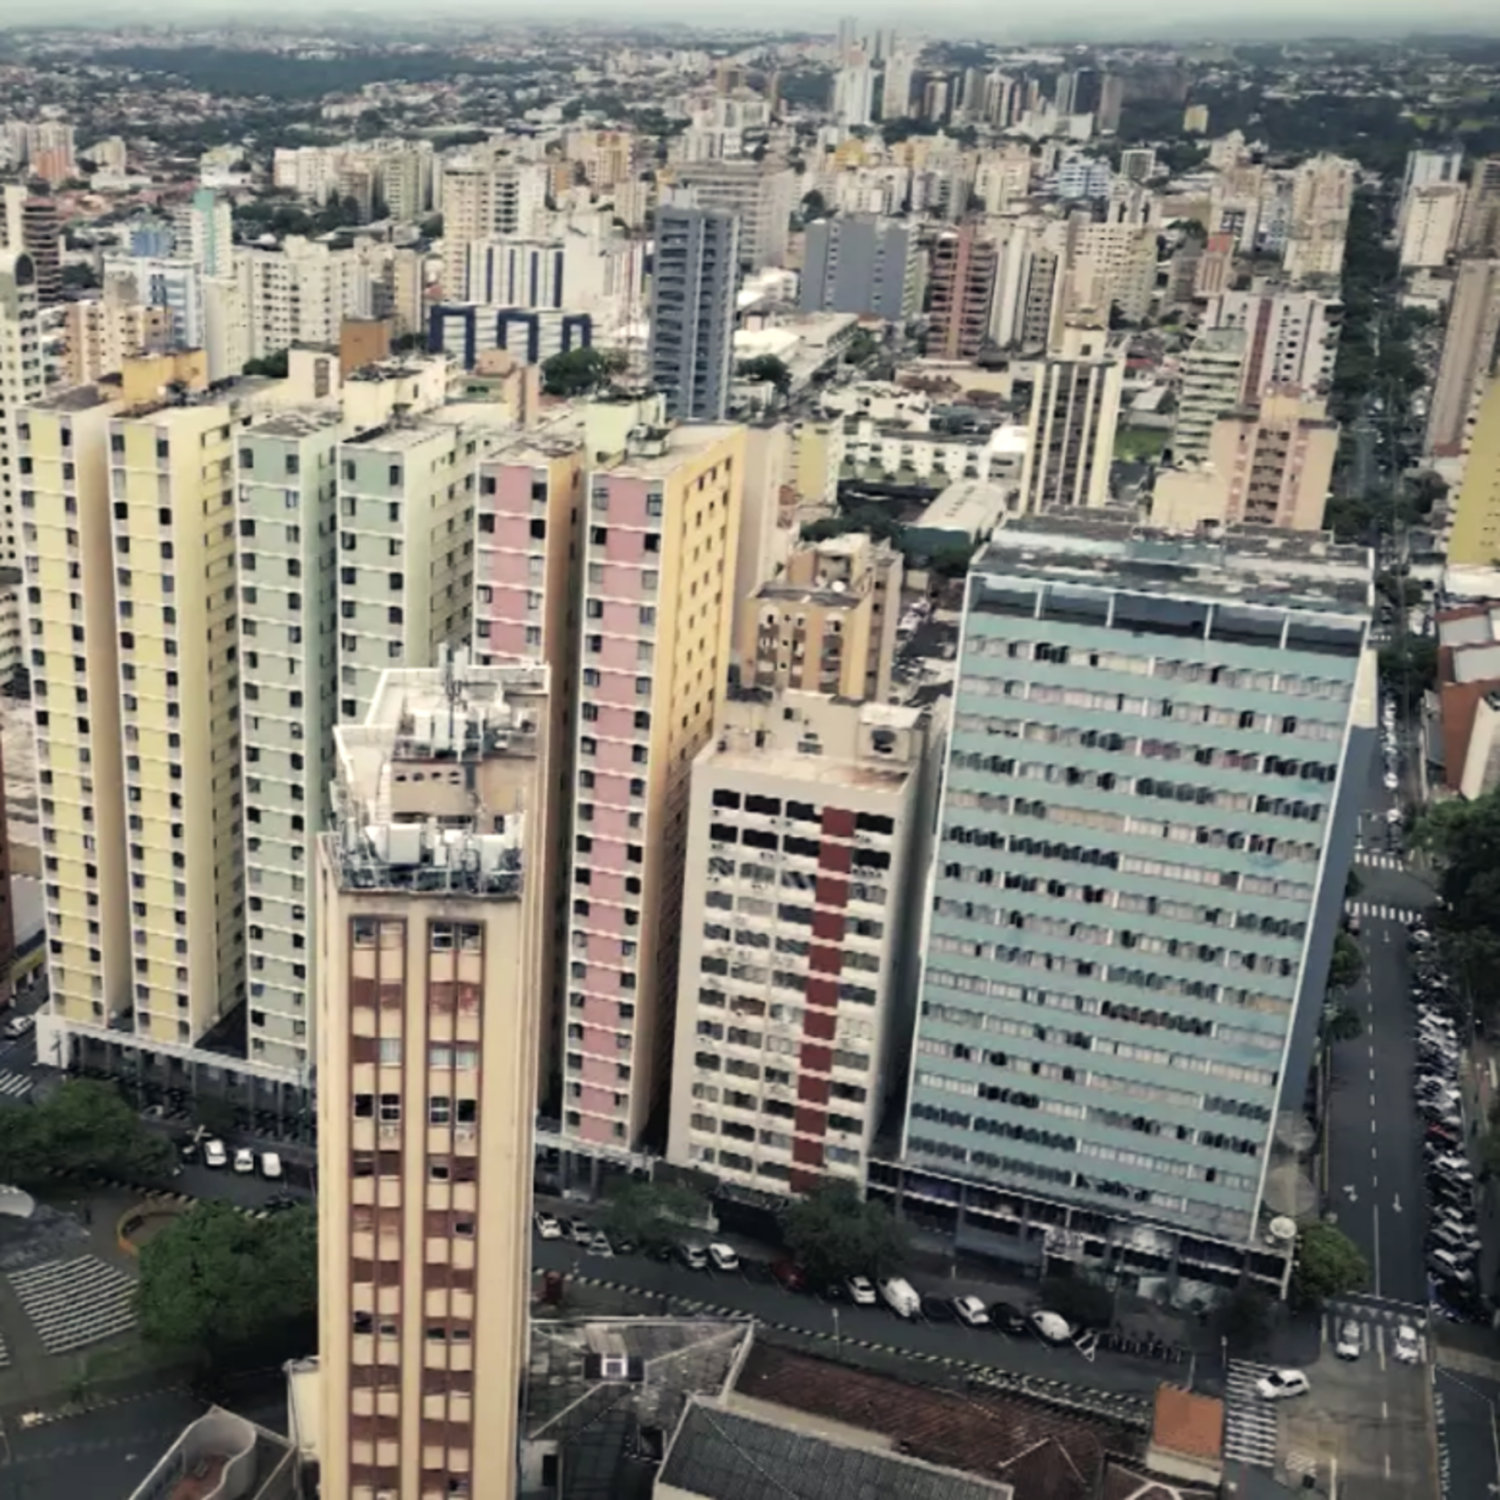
(1348,1345)
(1392,781)
(18,1026)
(1393,815)
(724,1257)
(244,1161)
(1280,1385)
(1050,1327)
(1408,1347)
(270,1166)
(214,1154)
(861,1291)
(547,1227)
(972,1311)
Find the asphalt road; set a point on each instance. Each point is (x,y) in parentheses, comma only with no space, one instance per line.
(1374,1147)
(1107,1372)
(1468,1434)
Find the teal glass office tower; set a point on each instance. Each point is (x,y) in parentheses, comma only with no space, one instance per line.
(1152,787)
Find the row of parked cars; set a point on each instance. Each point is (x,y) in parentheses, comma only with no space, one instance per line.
(1452,1246)
(208,1149)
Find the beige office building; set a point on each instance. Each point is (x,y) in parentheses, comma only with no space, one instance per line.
(1468,358)
(433,903)
(1212,371)
(21,381)
(1479,233)
(1075,411)
(826,623)
(106,331)
(1430,222)
(800,929)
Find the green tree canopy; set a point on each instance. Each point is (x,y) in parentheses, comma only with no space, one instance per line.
(579,372)
(219,1285)
(833,1234)
(653,1214)
(766,367)
(1465,839)
(273,365)
(1408,671)
(1346,963)
(83,1128)
(1328,1264)
(1084,1303)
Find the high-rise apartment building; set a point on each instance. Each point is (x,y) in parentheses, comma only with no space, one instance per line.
(7,909)
(21,381)
(826,623)
(659,539)
(1475,540)
(762,198)
(1430,224)
(434,899)
(1479,234)
(286,511)
(301,293)
(1322,195)
(799,936)
(174,284)
(481,199)
(1468,358)
(861,263)
(407,493)
(1073,416)
(204,232)
(1292,336)
(1190,720)
(962,282)
(103,332)
(1426,169)
(695,281)
(72,645)
(1212,369)
(41,238)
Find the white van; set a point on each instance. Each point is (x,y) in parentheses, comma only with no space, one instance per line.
(901,1297)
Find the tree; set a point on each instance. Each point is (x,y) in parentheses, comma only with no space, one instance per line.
(579,372)
(1464,837)
(84,1128)
(834,1234)
(1354,883)
(273,365)
(653,1214)
(1084,1303)
(1408,670)
(79,276)
(1328,1264)
(1243,1319)
(1346,963)
(768,368)
(431,227)
(1341,1023)
(220,1286)
(814,206)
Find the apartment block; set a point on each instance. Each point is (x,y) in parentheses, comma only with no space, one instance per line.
(1475,539)
(526,609)
(434,899)
(1073,416)
(1479,233)
(861,263)
(1292,336)
(694,284)
(761,197)
(1322,194)
(73,649)
(1425,169)
(962,281)
(286,511)
(1212,369)
(480,199)
(799,945)
(406,545)
(21,381)
(1192,720)
(1470,340)
(1430,224)
(102,333)
(826,623)
(658,553)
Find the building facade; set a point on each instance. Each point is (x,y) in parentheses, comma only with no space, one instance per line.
(1092,1096)
(1292,337)
(1212,372)
(434,898)
(693,291)
(22,380)
(861,264)
(1468,358)
(1074,413)
(961,282)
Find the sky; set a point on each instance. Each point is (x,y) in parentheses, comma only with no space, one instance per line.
(1073,19)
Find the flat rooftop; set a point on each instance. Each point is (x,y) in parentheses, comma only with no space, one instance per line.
(298,422)
(1303,570)
(77,398)
(681,442)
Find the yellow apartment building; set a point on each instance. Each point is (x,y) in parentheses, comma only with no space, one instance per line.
(1476,517)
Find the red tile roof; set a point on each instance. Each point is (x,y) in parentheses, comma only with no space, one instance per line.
(1189,1424)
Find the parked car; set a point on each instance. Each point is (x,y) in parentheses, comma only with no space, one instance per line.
(1280,1385)
(971,1311)
(547,1227)
(694,1257)
(861,1291)
(598,1243)
(1008,1319)
(938,1310)
(270,1166)
(724,1257)
(1051,1327)
(791,1276)
(1447,1266)
(244,1160)
(214,1153)
(19,1026)
(900,1296)
(1348,1344)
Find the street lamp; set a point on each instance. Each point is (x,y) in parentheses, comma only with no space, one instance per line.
(837,1336)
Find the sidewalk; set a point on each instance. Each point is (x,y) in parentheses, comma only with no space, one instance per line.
(1478,1069)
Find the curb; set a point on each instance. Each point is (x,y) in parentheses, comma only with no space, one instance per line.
(30,1421)
(167,1196)
(1133,1410)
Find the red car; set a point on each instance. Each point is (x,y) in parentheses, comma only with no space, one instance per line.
(792,1277)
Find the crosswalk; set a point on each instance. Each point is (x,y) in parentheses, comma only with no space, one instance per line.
(1373,861)
(16,1085)
(1249,1421)
(1377,912)
(1376,1328)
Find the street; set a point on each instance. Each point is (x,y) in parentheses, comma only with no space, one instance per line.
(1374,1155)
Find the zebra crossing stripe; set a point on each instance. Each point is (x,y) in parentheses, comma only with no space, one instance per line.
(16,1085)
(1249,1422)
(1377,912)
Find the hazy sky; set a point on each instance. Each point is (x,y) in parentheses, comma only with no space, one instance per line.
(1103,19)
